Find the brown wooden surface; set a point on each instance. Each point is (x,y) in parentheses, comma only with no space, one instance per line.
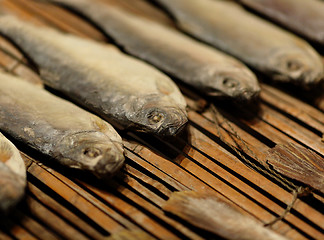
(63,204)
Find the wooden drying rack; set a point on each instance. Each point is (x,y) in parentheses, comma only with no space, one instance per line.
(61,204)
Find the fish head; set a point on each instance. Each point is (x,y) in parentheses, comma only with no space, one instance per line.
(12,188)
(158,115)
(91,151)
(303,68)
(237,84)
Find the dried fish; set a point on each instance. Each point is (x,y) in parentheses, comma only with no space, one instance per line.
(58,128)
(262,45)
(303,17)
(298,163)
(212,214)
(123,90)
(197,64)
(12,175)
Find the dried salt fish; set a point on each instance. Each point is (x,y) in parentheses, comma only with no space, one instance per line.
(58,128)
(123,90)
(298,163)
(197,64)
(303,17)
(262,45)
(212,214)
(12,175)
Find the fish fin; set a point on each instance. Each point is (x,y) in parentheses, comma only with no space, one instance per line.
(6,152)
(298,163)
(10,156)
(195,208)
(217,215)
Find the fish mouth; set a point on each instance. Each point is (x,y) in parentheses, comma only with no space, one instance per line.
(172,130)
(306,79)
(238,84)
(245,96)
(309,79)
(248,96)
(110,163)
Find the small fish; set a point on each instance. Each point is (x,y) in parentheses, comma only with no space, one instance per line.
(58,128)
(197,64)
(12,175)
(260,44)
(213,214)
(298,163)
(303,17)
(123,90)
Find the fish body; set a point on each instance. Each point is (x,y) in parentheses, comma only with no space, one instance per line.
(303,17)
(12,175)
(197,64)
(260,44)
(123,90)
(58,128)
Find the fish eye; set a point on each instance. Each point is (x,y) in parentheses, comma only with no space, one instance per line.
(92,152)
(230,82)
(293,65)
(155,117)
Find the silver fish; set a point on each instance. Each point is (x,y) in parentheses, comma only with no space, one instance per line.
(197,64)
(125,91)
(58,128)
(303,17)
(12,175)
(262,45)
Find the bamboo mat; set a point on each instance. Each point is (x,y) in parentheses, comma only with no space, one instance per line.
(63,204)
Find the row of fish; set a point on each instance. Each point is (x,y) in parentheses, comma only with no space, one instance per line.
(197,64)
(260,44)
(123,90)
(119,88)
(225,25)
(129,93)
